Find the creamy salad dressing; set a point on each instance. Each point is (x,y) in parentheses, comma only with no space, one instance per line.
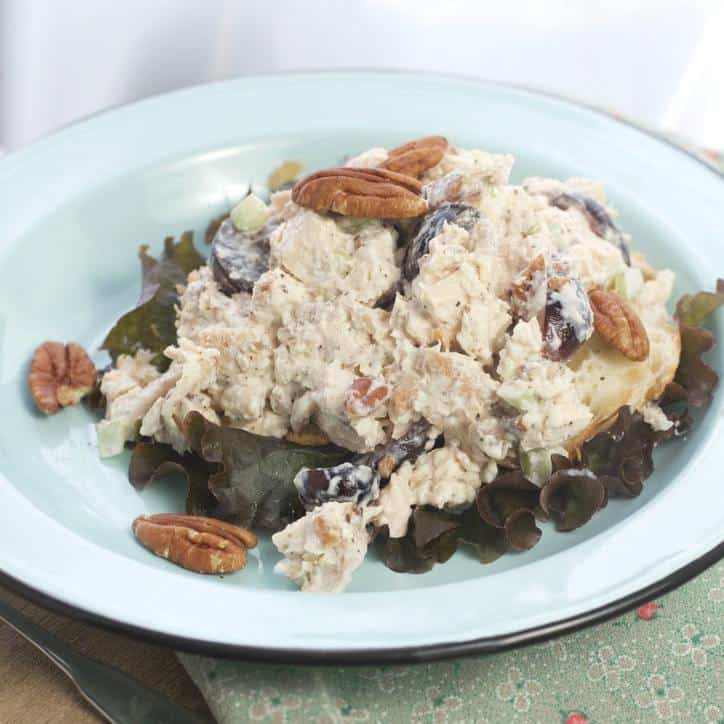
(656,417)
(444,478)
(453,348)
(323,548)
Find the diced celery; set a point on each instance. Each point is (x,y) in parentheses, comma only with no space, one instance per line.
(629,282)
(536,465)
(519,396)
(249,214)
(112,435)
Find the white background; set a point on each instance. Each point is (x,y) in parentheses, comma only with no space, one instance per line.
(659,60)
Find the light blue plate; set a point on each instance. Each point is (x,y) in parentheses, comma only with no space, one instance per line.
(74,209)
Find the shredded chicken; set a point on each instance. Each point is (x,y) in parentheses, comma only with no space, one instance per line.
(452,346)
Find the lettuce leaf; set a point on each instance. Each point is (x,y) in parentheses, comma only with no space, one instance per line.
(521,531)
(571,497)
(233,474)
(502,520)
(512,503)
(509,493)
(431,538)
(622,455)
(155,461)
(694,379)
(152,324)
(693,309)
(489,541)
(434,535)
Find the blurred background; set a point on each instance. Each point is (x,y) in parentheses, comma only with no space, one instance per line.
(659,61)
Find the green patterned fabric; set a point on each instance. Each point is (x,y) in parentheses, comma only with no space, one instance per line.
(663,662)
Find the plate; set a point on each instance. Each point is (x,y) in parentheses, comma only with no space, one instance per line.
(76,206)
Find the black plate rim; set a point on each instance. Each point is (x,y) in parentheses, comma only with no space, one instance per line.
(368,657)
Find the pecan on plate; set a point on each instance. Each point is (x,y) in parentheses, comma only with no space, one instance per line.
(416,157)
(60,375)
(618,324)
(370,192)
(203,545)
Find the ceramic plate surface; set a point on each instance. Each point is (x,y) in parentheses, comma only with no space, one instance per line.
(75,207)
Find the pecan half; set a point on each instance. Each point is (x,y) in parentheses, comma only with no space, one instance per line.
(618,324)
(371,192)
(416,157)
(203,545)
(60,375)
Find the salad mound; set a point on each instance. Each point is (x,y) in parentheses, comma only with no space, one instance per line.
(409,351)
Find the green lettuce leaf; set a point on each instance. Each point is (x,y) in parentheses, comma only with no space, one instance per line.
(232,474)
(155,461)
(254,483)
(152,324)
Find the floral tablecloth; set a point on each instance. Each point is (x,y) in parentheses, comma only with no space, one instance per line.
(663,662)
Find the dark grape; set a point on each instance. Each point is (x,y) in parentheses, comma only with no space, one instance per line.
(567,317)
(239,258)
(346,482)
